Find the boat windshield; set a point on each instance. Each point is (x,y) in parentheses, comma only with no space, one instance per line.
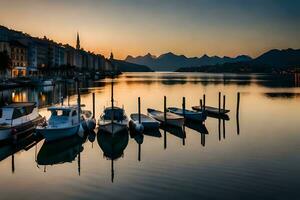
(115,114)
(60,113)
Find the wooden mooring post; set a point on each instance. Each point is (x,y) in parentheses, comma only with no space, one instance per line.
(183,106)
(165,110)
(204,101)
(219,102)
(94,99)
(139,109)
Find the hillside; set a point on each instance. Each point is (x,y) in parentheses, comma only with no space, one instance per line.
(130,67)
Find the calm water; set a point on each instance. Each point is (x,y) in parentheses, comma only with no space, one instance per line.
(259,161)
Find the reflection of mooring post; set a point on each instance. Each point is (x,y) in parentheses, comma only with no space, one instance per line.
(13,163)
(238,114)
(139,152)
(94,114)
(219,102)
(79,165)
(165,138)
(219,128)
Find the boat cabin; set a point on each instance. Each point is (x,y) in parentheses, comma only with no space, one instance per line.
(115,113)
(18,113)
(63,115)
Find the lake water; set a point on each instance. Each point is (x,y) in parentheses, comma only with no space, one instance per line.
(254,156)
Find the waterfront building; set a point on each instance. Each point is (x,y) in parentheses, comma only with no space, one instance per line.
(18,55)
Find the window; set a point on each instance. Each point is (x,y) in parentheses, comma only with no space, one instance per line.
(74,113)
(29,109)
(1,113)
(60,113)
(18,112)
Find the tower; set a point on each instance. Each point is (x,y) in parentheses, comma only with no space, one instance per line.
(111,56)
(78,42)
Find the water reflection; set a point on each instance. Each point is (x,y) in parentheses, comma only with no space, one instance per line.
(113,147)
(60,151)
(25,142)
(254,161)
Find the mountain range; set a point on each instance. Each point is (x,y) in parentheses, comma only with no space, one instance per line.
(172,62)
(271,60)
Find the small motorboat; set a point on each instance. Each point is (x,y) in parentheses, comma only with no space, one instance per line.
(113,120)
(171,118)
(63,122)
(188,114)
(147,122)
(17,119)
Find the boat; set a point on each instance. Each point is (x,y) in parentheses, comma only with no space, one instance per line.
(171,118)
(63,122)
(188,114)
(114,119)
(17,119)
(211,110)
(147,122)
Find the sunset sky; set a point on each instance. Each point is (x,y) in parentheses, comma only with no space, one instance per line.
(136,27)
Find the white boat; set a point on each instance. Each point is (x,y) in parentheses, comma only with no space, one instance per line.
(189,114)
(171,118)
(113,120)
(147,122)
(63,122)
(18,118)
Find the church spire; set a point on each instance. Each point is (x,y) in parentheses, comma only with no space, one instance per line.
(78,42)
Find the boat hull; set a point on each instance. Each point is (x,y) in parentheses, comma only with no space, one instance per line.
(7,133)
(113,127)
(52,134)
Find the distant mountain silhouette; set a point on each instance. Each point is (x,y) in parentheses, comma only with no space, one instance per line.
(172,62)
(130,67)
(280,58)
(273,61)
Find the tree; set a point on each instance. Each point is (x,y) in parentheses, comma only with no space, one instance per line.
(5,61)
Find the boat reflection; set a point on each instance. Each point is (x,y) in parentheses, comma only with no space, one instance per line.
(61,151)
(196,126)
(113,146)
(25,142)
(175,131)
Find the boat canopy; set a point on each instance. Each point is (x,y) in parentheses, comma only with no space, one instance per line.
(16,110)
